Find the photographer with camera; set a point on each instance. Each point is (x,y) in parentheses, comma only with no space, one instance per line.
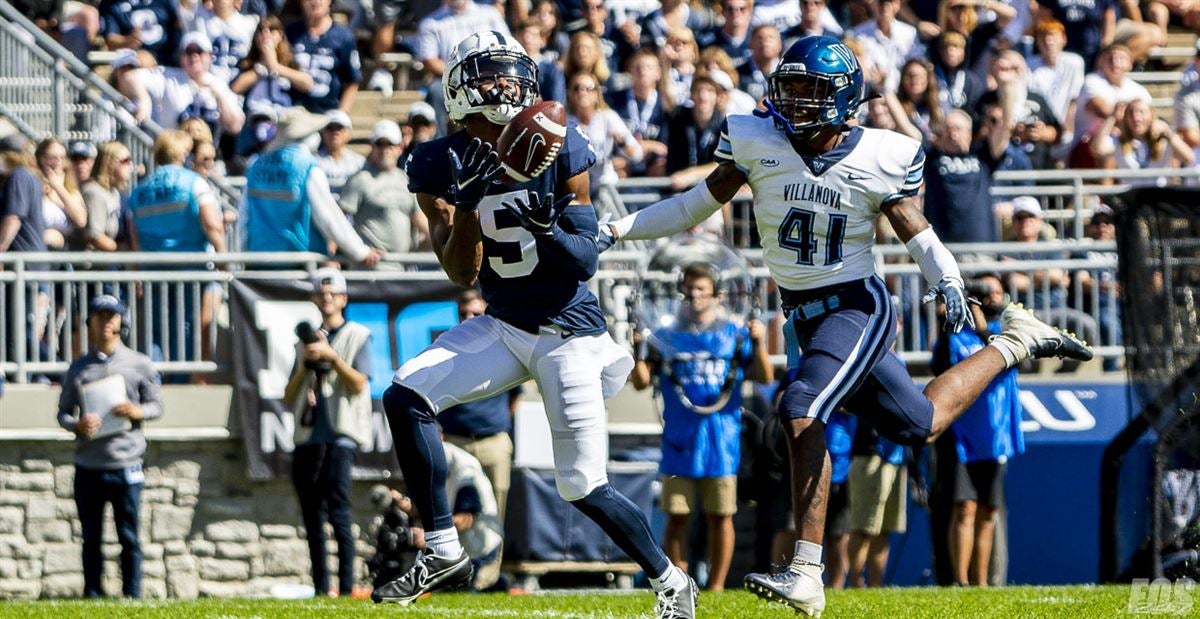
(398,536)
(330,396)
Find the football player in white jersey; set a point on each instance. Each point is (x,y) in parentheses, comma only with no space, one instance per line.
(819,184)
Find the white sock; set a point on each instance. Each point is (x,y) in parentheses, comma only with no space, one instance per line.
(808,552)
(673,578)
(443,543)
(1008,349)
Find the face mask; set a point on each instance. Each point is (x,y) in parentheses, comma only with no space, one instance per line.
(264,132)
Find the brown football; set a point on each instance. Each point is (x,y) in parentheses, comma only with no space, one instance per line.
(531,141)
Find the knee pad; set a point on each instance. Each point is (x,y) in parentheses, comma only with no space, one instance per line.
(400,400)
(575,486)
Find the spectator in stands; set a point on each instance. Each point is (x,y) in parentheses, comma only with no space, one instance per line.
(1103,89)
(694,130)
(329,392)
(174,209)
(196,129)
(420,128)
(152,25)
(733,35)
(285,182)
(986,436)
(231,33)
(839,438)
(616,44)
(701,422)
(812,23)
(552,84)
(957,87)
(269,74)
(1035,127)
(62,205)
(475,513)
(1133,138)
(22,228)
(327,52)
(169,95)
(730,99)
(377,199)
(102,195)
(586,55)
(962,17)
(1056,74)
(437,35)
(611,140)
(669,15)
(1092,25)
(335,156)
(873,77)
(110,448)
(83,159)
(679,61)
(766,48)
(958,179)
(919,100)
(384,14)
(878,484)
(889,42)
(203,161)
(547,13)
(641,107)
(1103,284)
(1187,104)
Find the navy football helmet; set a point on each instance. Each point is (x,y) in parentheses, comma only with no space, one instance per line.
(817,84)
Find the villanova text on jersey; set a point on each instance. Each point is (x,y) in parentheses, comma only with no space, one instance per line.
(816,194)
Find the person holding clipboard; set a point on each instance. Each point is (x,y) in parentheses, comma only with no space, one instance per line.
(106,396)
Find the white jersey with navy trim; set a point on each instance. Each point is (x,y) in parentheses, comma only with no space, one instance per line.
(816,215)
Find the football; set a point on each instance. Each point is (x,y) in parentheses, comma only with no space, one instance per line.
(530,142)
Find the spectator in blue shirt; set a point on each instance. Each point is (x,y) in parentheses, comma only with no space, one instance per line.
(702,413)
(958,179)
(986,436)
(327,52)
(733,35)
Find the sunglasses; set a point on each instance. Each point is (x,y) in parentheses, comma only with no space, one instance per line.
(582,88)
(194,51)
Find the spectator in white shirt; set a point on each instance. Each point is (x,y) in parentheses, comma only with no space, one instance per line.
(1056,74)
(231,34)
(441,31)
(338,161)
(609,136)
(1133,138)
(1187,104)
(1102,90)
(889,42)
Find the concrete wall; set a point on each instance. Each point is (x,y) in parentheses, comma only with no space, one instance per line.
(206,529)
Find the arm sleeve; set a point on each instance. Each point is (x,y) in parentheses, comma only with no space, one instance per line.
(150,393)
(571,249)
(936,262)
(329,218)
(667,217)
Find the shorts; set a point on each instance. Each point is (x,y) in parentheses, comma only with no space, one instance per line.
(981,481)
(718,495)
(878,497)
(837,517)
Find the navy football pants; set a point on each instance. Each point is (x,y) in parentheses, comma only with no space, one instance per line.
(846,361)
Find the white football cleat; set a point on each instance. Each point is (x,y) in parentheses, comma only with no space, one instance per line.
(677,603)
(799,586)
(1029,337)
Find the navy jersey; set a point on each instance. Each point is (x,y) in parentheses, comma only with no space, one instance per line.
(527,281)
(157,21)
(332,61)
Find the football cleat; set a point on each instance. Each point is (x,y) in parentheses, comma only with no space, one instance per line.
(799,586)
(429,573)
(1031,337)
(677,603)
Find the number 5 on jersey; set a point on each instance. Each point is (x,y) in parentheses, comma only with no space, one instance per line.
(797,233)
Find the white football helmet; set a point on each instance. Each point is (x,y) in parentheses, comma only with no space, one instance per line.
(483,57)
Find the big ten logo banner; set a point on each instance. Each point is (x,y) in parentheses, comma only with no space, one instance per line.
(403,317)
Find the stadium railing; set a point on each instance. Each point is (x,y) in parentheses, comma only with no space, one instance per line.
(165,292)
(45,90)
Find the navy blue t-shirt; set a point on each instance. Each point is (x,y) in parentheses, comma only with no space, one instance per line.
(332,61)
(1083,20)
(738,52)
(156,20)
(479,418)
(527,281)
(21,196)
(957,202)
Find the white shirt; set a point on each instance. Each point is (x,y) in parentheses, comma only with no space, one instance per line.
(600,132)
(339,171)
(1138,158)
(440,32)
(231,39)
(462,470)
(172,92)
(1059,85)
(889,53)
(1095,86)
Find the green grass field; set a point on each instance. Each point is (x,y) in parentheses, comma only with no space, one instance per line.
(1041,602)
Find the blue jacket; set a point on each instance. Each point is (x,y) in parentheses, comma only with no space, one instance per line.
(278,215)
(166,212)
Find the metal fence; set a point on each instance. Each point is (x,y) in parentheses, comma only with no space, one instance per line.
(173,299)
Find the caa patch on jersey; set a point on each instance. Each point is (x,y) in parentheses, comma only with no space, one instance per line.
(530,143)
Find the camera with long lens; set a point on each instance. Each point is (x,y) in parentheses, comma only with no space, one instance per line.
(308,335)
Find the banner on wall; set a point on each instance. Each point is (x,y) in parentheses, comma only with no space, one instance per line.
(403,316)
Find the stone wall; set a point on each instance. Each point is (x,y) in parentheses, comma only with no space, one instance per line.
(206,529)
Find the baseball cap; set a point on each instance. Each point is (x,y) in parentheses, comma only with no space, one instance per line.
(199,39)
(106,303)
(1026,204)
(125,58)
(14,142)
(329,277)
(386,130)
(423,111)
(340,118)
(82,149)
(1102,210)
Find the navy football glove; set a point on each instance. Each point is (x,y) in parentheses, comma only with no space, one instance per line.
(538,214)
(473,174)
(950,289)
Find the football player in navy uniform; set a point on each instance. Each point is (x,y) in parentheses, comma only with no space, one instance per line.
(820,183)
(532,254)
